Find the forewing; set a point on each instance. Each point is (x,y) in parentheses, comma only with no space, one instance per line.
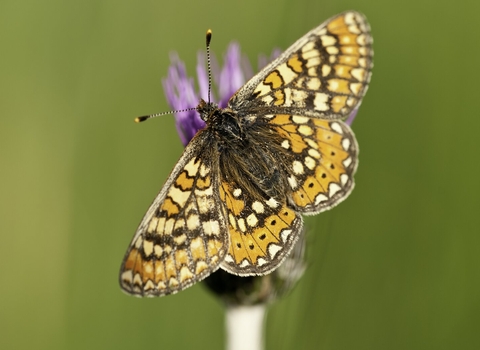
(324,74)
(325,160)
(183,237)
(262,231)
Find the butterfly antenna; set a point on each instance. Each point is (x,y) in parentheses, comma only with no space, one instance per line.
(209,38)
(145,117)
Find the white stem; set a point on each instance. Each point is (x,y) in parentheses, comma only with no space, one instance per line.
(245,327)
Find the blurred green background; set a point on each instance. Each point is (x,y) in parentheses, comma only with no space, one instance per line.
(394,267)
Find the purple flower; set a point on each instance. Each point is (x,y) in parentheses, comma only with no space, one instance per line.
(181,93)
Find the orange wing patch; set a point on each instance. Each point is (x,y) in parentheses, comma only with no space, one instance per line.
(262,232)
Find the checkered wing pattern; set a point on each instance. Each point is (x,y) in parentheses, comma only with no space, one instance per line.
(183,237)
(324,74)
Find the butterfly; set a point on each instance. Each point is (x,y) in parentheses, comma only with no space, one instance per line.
(280,149)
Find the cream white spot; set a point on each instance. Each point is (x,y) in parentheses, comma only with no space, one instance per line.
(314,84)
(229,259)
(347,162)
(178,196)
(355,88)
(305,130)
(167,249)
(191,167)
(272,203)
(346,144)
(185,274)
(344,179)
(312,71)
(298,97)
(237,192)
(320,198)
(320,102)
(204,204)
(362,62)
(203,170)
(337,128)
(149,285)
(244,263)
(267,99)
(287,74)
(323,31)
(211,227)
(261,261)
(180,239)
(232,220)
(363,51)
(358,73)
(273,250)
(328,40)
(333,189)
(148,248)
(200,267)
(173,283)
(127,276)
(300,120)
(179,224)
(313,62)
(349,18)
(241,225)
(252,220)
(332,59)
(351,101)
(311,143)
(310,55)
(263,89)
(310,162)
(308,47)
(361,39)
(292,181)
(137,279)
(332,50)
(196,243)
(285,234)
(158,251)
(298,167)
(314,153)
(193,222)
(258,207)
(286,144)
(152,226)
(326,69)
(354,29)
(161,285)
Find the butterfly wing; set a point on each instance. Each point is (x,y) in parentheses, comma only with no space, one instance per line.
(183,236)
(325,158)
(262,231)
(324,74)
